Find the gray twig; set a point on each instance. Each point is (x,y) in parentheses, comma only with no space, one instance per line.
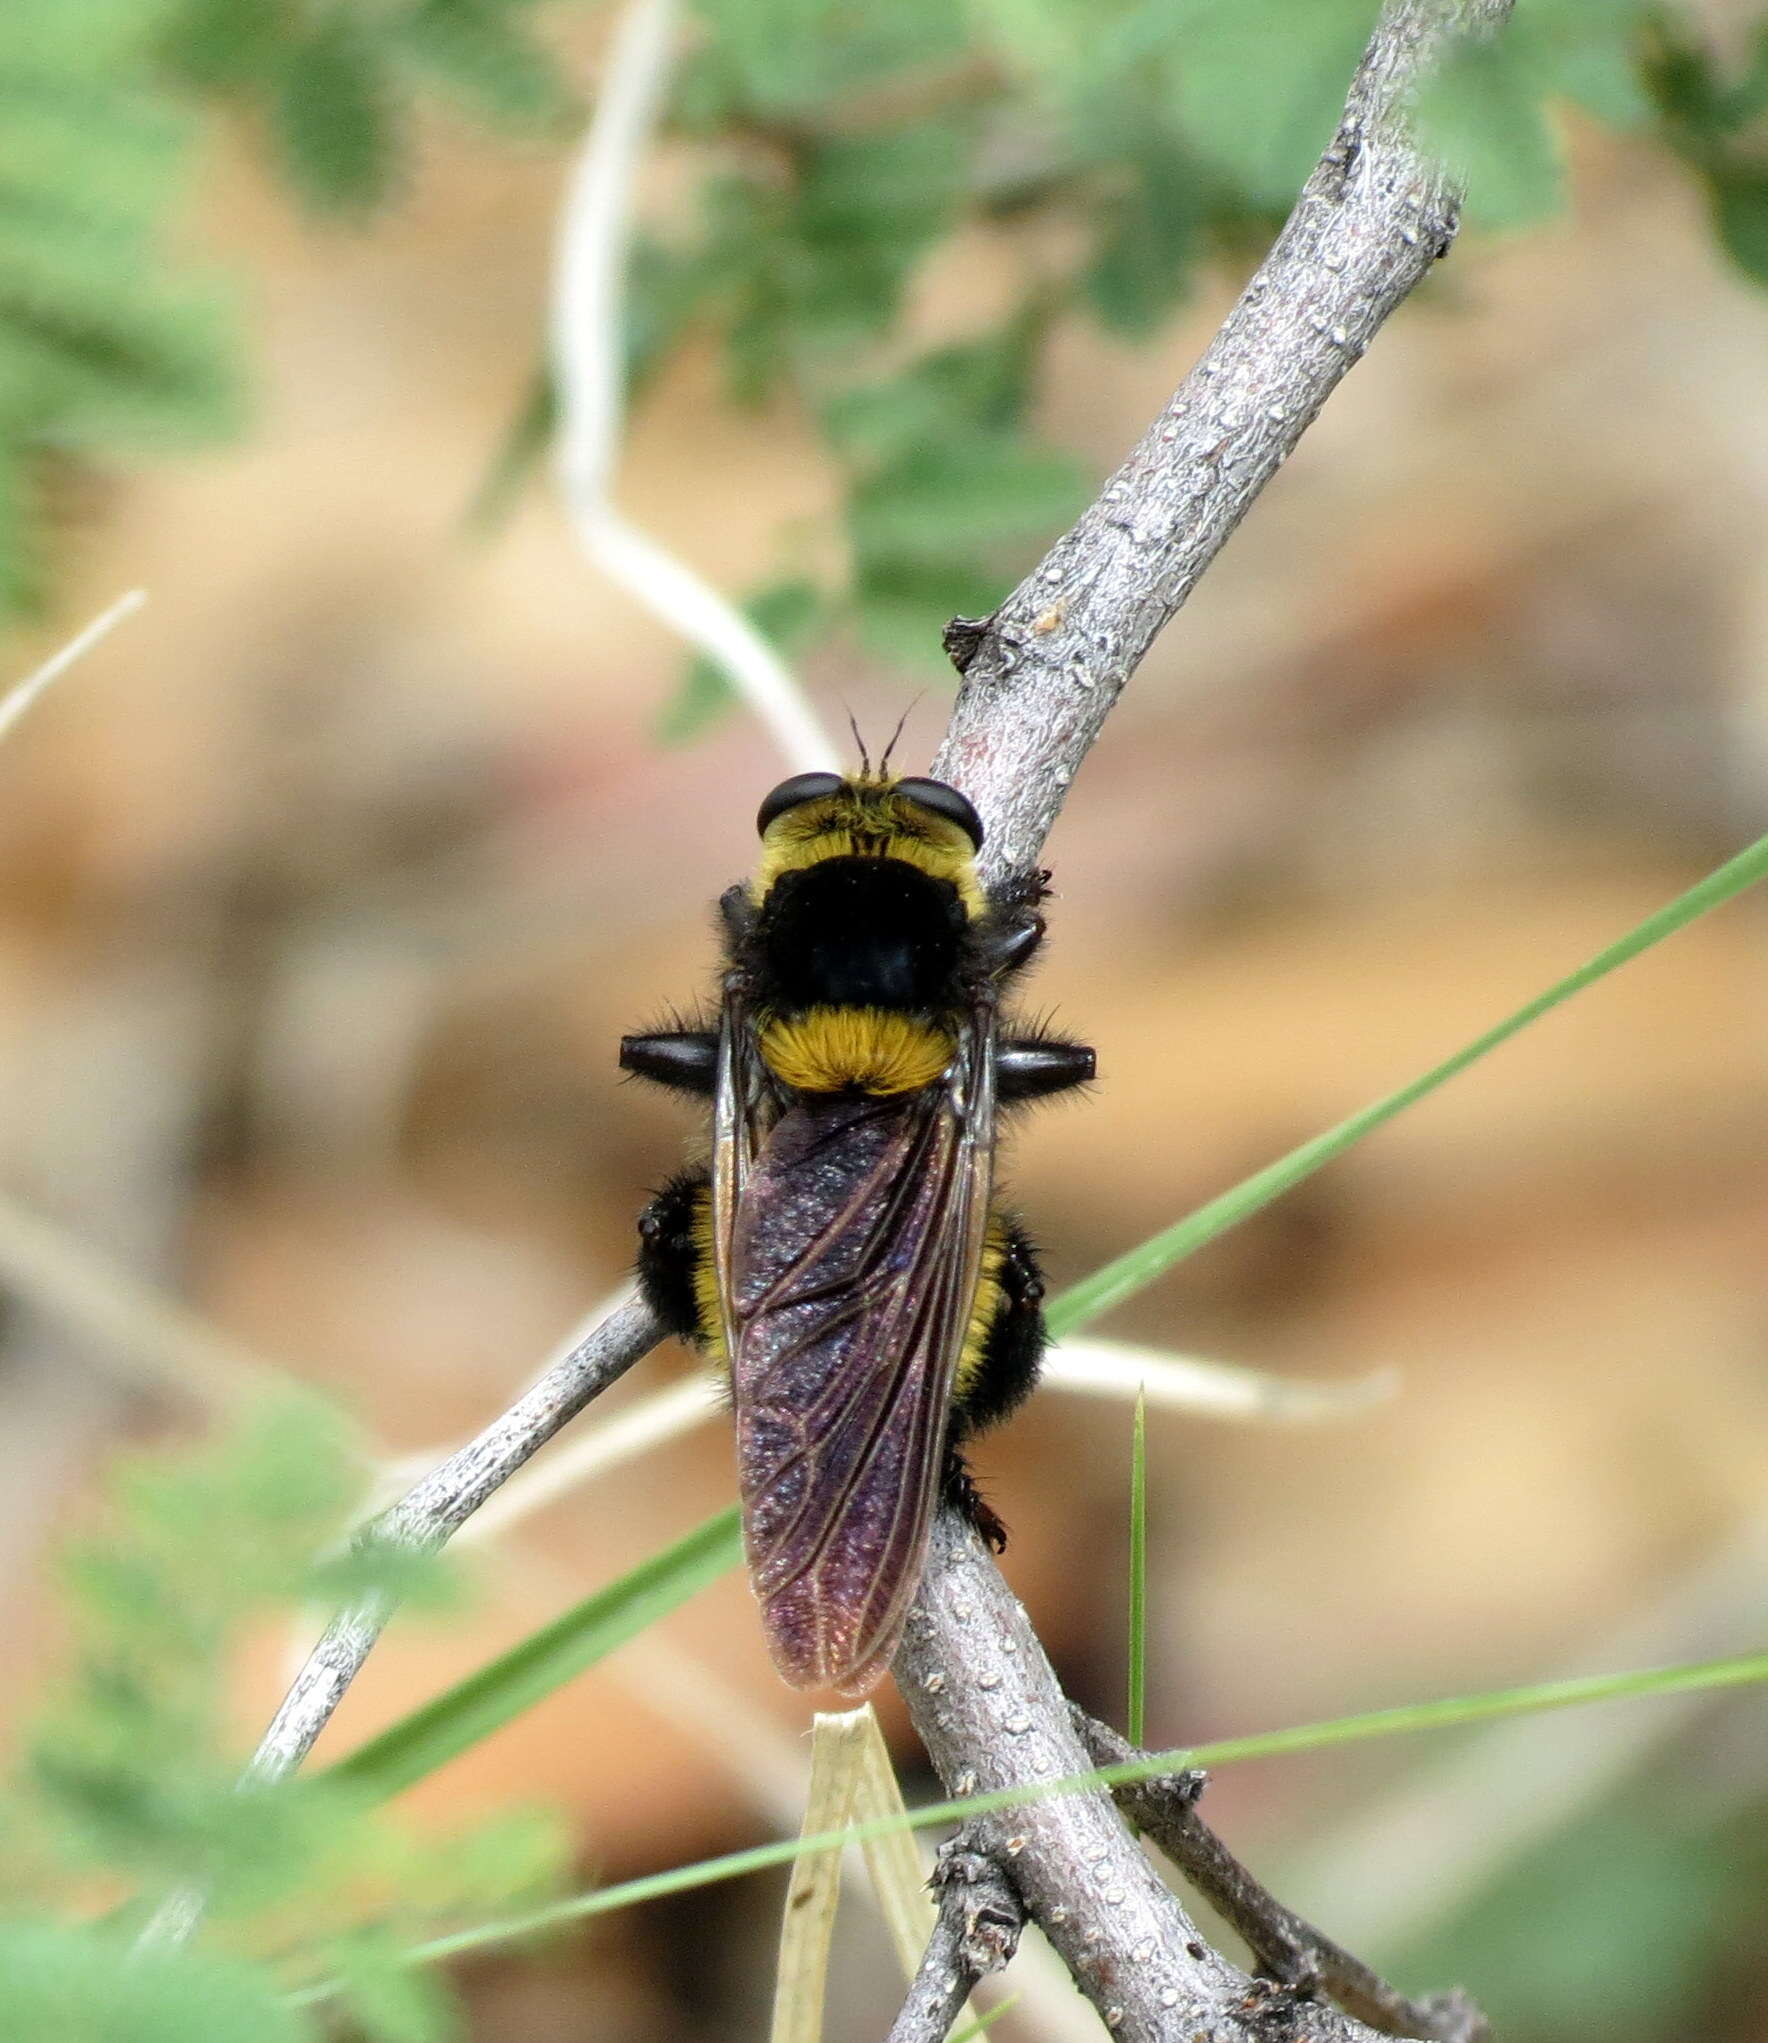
(975,1933)
(1291,1950)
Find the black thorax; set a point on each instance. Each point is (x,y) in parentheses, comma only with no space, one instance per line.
(862,932)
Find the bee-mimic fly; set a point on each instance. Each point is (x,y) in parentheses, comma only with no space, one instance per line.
(842,1257)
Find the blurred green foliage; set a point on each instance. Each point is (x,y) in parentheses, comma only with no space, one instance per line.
(129,1787)
(112,345)
(1716,118)
(1113,147)
(1639,1922)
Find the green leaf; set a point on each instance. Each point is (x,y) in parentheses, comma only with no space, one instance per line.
(1482,115)
(944,480)
(1740,216)
(768,61)
(1130,1273)
(867,209)
(75,373)
(901,608)
(517,456)
(500,1691)
(665,289)
(388,2000)
(928,534)
(1262,82)
(980,389)
(62,1984)
(1703,110)
(132,1761)
(93,37)
(20,565)
(415,1578)
(1149,243)
(788,614)
(954,497)
(475,49)
(97,349)
(1037,40)
(46,153)
(808,270)
(1585,50)
(336,115)
(216,44)
(1746,98)
(283,1479)
(1611,1929)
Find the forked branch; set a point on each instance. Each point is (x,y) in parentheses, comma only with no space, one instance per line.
(1289,1950)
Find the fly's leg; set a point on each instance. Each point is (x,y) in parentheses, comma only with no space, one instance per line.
(672,1246)
(963,1496)
(1003,1377)
(684,1060)
(1035,1067)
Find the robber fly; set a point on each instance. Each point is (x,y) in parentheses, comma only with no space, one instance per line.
(842,1258)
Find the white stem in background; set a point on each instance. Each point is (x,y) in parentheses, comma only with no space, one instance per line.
(589,373)
(1209,1390)
(17,700)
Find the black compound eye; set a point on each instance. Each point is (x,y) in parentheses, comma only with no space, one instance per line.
(944,801)
(791,794)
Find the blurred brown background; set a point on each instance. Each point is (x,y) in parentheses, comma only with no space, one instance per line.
(327,886)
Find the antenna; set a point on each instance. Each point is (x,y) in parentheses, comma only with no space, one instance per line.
(897,733)
(865,758)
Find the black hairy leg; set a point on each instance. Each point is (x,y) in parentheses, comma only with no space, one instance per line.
(1020,892)
(669,1251)
(1014,1348)
(1003,1379)
(1010,941)
(736,918)
(963,1496)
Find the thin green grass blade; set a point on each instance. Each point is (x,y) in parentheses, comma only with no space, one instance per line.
(515,1681)
(1138,1696)
(1129,1273)
(983,2022)
(1734,1672)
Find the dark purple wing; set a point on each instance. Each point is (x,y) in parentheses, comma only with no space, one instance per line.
(855,1251)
